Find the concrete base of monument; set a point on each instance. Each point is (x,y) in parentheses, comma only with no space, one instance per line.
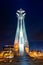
(21,54)
(20,50)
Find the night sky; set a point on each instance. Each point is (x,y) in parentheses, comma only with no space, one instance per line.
(33,21)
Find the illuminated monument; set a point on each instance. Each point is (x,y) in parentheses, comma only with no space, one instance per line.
(21,43)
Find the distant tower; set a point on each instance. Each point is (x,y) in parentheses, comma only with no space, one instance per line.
(21,43)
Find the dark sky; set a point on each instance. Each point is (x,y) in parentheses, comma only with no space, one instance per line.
(33,21)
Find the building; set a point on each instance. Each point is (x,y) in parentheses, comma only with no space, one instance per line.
(8,47)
